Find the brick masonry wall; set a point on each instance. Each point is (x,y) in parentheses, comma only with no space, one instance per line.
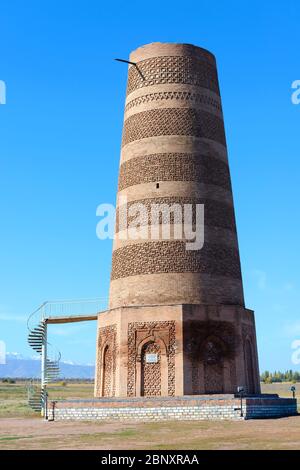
(192,409)
(166,70)
(165,256)
(213,103)
(174,167)
(173,121)
(216,213)
(174,153)
(270,407)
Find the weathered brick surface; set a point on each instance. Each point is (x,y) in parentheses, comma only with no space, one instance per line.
(183,70)
(173,97)
(174,167)
(216,213)
(174,135)
(165,49)
(172,256)
(177,96)
(173,121)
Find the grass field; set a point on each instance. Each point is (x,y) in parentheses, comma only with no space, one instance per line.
(21,428)
(13,397)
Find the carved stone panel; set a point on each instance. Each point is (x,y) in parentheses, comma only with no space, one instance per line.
(212,357)
(108,372)
(156,378)
(107,360)
(210,346)
(151,371)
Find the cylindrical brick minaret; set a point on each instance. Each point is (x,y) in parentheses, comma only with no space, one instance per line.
(174,152)
(176,323)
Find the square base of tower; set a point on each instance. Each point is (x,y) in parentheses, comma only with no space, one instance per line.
(176,350)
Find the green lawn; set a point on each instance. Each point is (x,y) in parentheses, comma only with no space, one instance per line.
(13,397)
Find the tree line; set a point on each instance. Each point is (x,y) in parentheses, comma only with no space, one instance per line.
(278,376)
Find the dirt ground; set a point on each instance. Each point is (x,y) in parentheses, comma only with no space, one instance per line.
(34,433)
(21,428)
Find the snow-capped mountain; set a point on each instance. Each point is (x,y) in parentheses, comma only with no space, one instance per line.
(18,366)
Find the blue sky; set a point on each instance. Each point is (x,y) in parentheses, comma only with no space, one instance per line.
(60,134)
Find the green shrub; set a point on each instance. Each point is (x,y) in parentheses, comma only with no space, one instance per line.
(268,380)
(8,381)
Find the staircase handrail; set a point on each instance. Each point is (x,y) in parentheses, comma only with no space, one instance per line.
(50,303)
(34,313)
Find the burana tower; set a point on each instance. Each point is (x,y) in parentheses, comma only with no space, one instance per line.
(177,324)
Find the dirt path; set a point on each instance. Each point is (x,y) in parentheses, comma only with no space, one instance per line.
(19,433)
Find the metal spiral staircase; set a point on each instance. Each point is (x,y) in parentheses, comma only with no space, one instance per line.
(49,313)
(50,357)
(37,340)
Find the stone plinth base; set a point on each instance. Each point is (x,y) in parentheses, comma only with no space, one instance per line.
(185,408)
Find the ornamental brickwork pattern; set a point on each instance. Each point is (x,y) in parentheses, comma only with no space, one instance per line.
(172,257)
(182,96)
(173,121)
(176,69)
(151,372)
(139,331)
(107,351)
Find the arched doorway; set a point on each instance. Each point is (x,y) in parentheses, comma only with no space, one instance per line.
(213,361)
(151,370)
(107,382)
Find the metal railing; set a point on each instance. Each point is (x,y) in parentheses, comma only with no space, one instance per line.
(65,310)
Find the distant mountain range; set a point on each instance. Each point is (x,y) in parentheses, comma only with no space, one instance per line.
(18,367)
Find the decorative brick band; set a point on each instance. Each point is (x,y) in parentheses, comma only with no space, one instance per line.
(170,50)
(173,69)
(186,96)
(216,213)
(212,235)
(172,257)
(173,121)
(174,167)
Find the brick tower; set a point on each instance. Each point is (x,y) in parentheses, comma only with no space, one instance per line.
(177,323)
